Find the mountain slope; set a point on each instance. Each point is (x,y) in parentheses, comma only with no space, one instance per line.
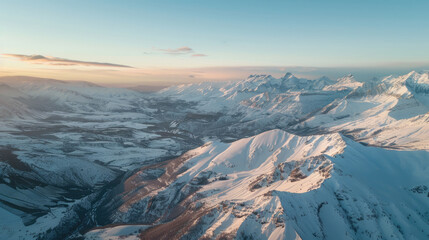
(47,95)
(387,113)
(91,156)
(370,111)
(10,105)
(253,105)
(278,186)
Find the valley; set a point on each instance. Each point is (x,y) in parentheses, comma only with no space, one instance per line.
(260,158)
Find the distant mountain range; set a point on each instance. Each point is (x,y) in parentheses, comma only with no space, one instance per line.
(261,158)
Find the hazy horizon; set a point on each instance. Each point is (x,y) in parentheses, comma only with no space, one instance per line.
(166,42)
(240,73)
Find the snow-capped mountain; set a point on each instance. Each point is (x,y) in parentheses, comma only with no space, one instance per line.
(261,158)
(54,95)
(388,112)
(276,186)
(258,103)
(321,105)
(345,83)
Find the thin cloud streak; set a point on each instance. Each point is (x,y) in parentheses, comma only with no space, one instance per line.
(40,59)
(181,50)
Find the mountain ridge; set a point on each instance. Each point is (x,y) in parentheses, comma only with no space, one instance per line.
(211,160)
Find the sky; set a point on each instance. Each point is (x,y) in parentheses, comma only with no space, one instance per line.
(168,42)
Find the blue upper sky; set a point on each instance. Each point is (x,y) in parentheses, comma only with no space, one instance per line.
(156,35)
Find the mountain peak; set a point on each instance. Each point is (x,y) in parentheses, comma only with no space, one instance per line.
(288,75)
(347,78)
(257,77)
(325,78)
(413,72)
(412,76)
(421,77)
(344,83)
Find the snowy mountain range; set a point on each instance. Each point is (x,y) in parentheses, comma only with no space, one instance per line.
(261,158)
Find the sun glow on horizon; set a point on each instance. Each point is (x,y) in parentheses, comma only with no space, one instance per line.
(164,43)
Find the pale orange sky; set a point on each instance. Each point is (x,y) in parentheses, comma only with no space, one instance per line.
(169,42)
(164,76)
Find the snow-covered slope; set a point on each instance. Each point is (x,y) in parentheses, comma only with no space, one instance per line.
(277,185)
(389,113)
(280,158)
(63,143)
(368,111)
(253,105)
(251,86)
(54,95)
(345,83)
(10,106)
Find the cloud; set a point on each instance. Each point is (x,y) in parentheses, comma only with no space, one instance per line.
(175,51)
(40,59)
(179,51)
(199,55)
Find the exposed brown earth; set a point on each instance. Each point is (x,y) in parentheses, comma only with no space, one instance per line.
(145,187)
(174,229)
